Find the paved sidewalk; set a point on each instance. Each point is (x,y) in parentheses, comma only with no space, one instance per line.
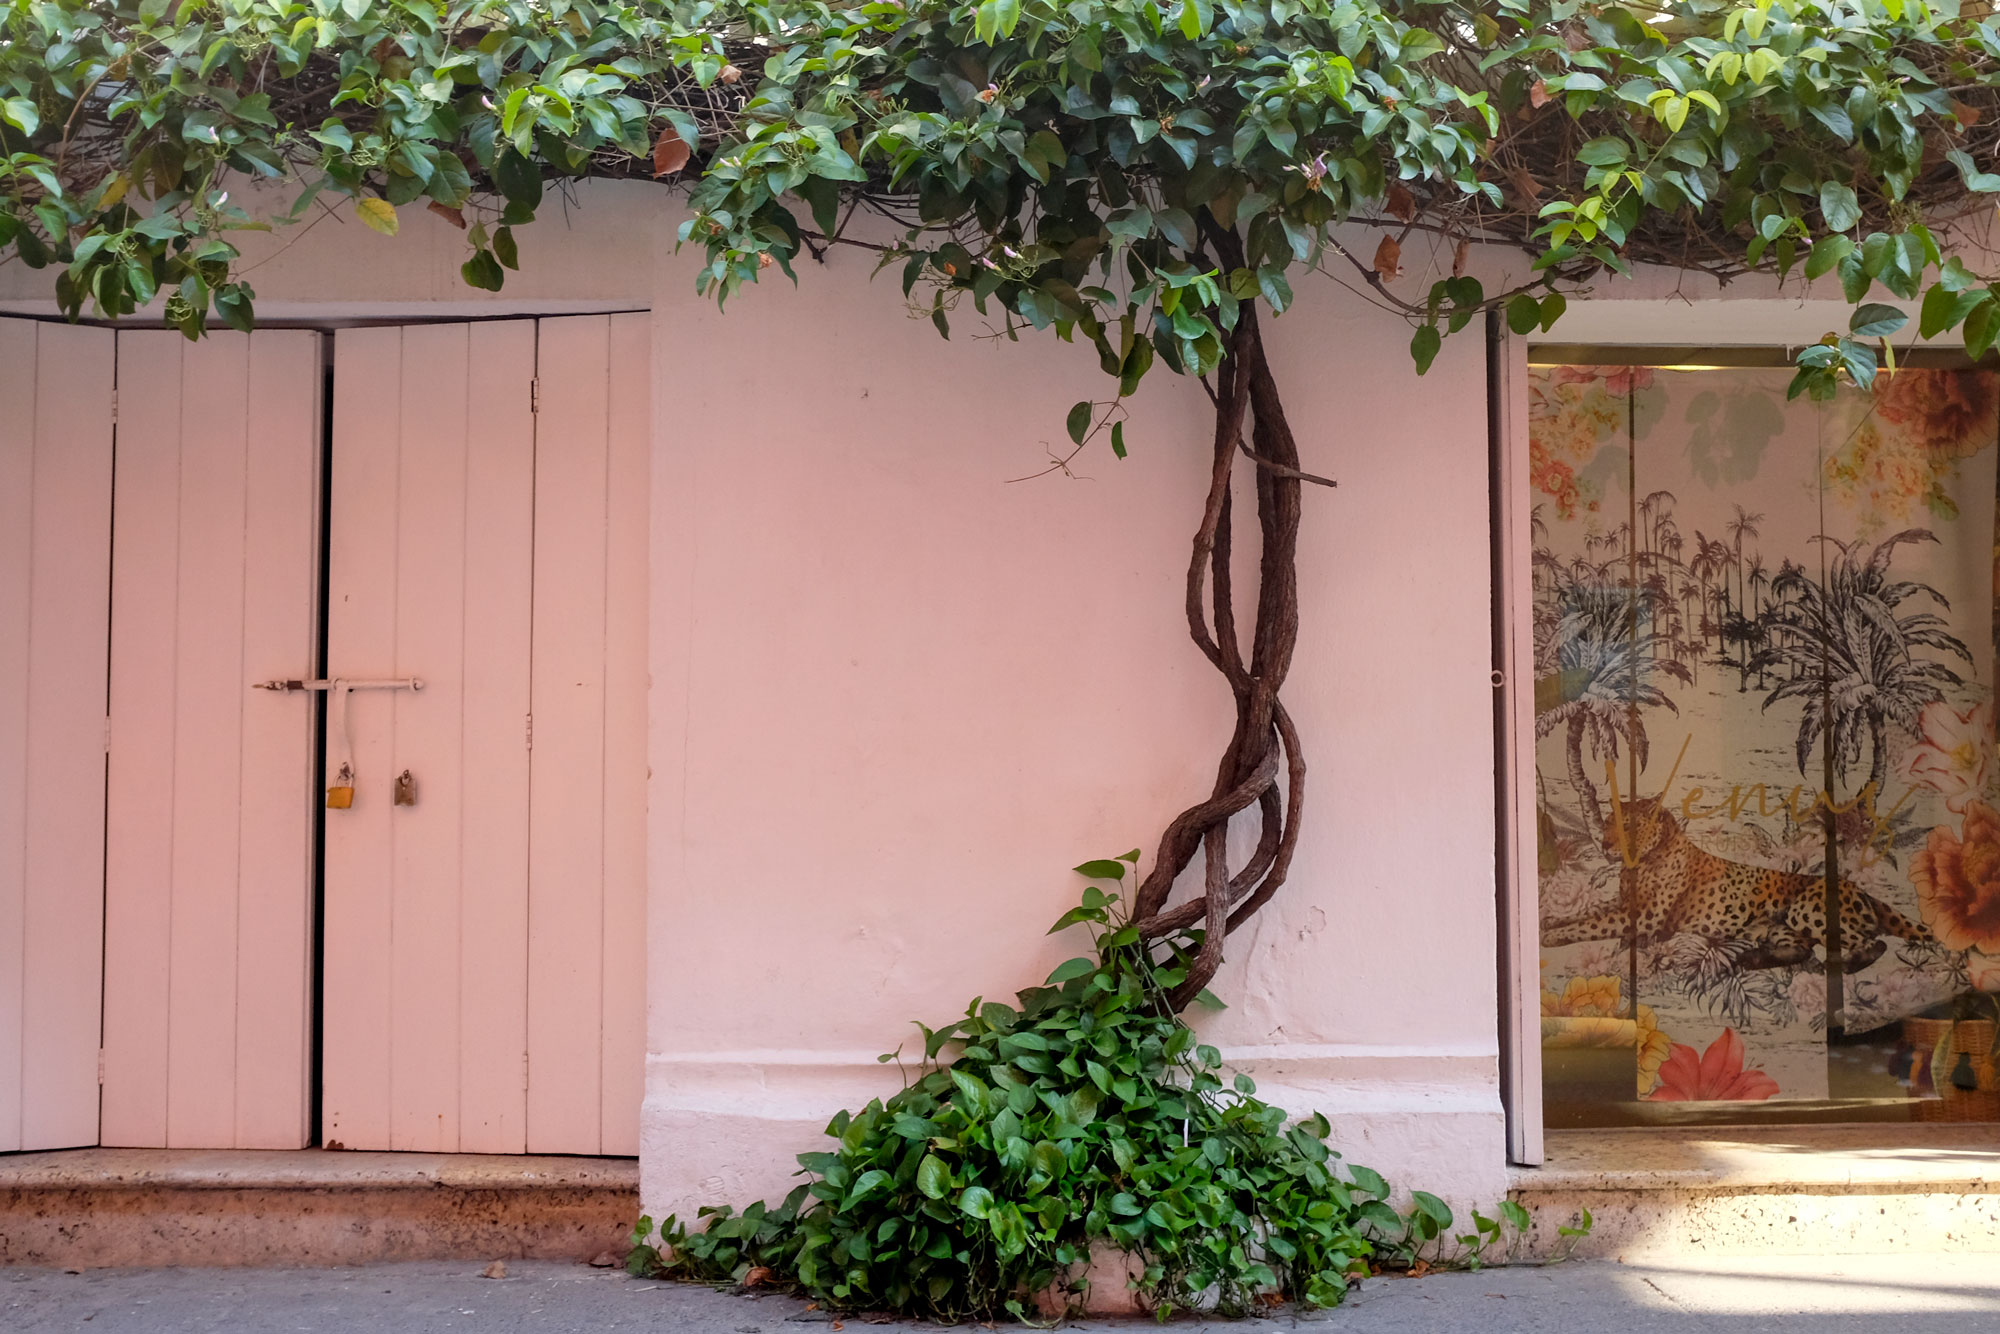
(1836,1295)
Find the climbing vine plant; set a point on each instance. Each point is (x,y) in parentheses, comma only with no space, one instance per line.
(1149,178)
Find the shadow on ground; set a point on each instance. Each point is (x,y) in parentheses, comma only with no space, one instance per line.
(1819,1295)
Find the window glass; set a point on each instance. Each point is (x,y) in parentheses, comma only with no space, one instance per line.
(1767,789)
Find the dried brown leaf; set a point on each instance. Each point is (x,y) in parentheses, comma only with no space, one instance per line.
(498,1269)
(1388,259)
(670,153)
(1524,182)
(1967,116)
(761,1274)
(1400,202)
(1538,95)
(1459,256)
(451,215)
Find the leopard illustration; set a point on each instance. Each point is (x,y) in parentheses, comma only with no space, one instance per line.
(1779,915)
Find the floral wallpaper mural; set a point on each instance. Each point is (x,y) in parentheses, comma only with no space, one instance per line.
(1768,802)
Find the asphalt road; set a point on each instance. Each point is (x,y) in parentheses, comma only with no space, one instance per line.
(1824,1295)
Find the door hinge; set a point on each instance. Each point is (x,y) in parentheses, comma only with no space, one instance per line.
(535,395)
(114,407)
(100,1067)
(530,737)
(524,1069)
(107,734)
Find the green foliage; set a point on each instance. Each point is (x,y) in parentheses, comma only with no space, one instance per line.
(1133,171)
(1084,1114)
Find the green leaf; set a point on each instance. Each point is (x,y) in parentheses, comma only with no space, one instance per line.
(1424,346)
(1876,320)
(1118,439)
(1854,278)
(1369,1180)
(1079,424)
(1431,1207)
(1523,313)
(483,271)
(1553,306)
(1604,152)
(1104,868)
(1838,205)
(933,1177)
(1946,309)
(976,1201)
(21,114)
(1071,968)
(519,179)
(1982,327)
(1827,252)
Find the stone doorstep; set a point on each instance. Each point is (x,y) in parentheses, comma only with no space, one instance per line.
(98,1208)
(1781,1190)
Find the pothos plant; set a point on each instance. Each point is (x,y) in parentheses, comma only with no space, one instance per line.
(1083,1117)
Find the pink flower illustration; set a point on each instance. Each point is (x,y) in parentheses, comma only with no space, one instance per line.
(1617,379)
(1984,969)
(1952,754)
(1716,1075)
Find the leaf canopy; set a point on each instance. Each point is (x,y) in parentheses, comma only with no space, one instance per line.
(1129,170)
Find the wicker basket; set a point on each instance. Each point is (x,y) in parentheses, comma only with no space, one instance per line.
(1975,1038)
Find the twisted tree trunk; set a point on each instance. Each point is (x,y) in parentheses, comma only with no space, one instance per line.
(1262,765)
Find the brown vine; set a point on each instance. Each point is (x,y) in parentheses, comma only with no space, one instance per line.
(1263,764)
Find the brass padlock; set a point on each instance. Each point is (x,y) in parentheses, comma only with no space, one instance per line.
(406,789)
(340,796)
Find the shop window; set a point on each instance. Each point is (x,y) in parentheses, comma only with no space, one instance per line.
(1768,798)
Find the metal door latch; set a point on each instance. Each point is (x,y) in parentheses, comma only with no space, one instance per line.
(343,683)
(340,792)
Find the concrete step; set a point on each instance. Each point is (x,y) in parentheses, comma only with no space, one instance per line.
(1782,1190)
(96,1208)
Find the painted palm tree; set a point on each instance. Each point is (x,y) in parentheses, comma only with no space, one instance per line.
(1657,507)
(1742,526)
(1719,558)
(1755,626)
(1861,645)
(1597,665)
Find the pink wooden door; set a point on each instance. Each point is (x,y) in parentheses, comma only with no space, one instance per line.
(587,812)
(55,552)
(209,826)
(484,946)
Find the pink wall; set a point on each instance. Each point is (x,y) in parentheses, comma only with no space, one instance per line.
(896,697)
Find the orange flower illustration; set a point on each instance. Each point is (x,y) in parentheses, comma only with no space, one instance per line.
(1716,1075)
(1585,1015)
(1958,882)
(1949,412)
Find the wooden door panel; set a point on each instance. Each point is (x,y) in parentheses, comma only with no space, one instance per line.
(485,947)
(208,833)
(430,577)
(586,966)
(55,551)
